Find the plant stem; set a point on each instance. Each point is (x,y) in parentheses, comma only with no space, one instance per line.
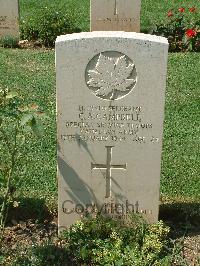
(6,199)
(6,140)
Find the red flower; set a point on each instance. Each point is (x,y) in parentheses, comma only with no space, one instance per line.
(169,14)
(190,33)
(192,9)
(181,9)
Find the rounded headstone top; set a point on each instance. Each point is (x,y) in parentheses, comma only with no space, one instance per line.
(112,34)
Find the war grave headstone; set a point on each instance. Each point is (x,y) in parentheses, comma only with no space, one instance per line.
(9,18)
(110,112)
(115,15)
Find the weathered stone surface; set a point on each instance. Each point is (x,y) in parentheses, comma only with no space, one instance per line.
(9,16)
(115,15)
(110,111)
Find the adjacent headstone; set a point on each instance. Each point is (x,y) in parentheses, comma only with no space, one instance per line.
(9,18)
(115,15)
(110,111)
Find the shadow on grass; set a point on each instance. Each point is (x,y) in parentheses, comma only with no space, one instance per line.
(29,208)
(181,217)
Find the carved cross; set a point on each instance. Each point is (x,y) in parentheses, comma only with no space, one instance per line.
(108,167)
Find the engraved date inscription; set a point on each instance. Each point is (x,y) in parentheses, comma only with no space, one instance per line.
(109,123)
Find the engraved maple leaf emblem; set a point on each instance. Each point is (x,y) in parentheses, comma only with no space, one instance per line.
(111,75)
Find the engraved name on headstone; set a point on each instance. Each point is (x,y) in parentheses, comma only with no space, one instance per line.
(9,18)
(115,15)
(110,112)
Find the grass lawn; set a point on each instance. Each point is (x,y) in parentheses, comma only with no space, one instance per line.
(152,10)
(32,74)
(180,171)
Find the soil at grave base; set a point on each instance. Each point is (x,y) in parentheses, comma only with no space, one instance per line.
(25,44)
(20,238)
(191,249)
(27,234)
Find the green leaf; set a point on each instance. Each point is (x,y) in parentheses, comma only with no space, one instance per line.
(21,139)
(190,46)
(1,120)
(2,259)
(3,167)
(26,119)
(11,95)
(119,262)
(184,39)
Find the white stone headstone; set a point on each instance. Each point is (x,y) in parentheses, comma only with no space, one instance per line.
(9,18)
(110,112)
(115,15)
